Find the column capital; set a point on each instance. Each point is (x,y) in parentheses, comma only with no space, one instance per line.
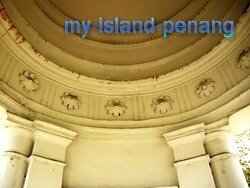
(52,133)
(10,120)
(187,142)
(16,135)
(219,138)
(48,156)
(14,121)
(185,135)
(51,141)
(16,138)
(52,129)
(221,125)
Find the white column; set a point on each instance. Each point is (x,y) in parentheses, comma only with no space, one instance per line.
(225,166)
(47,161)
(191,161)
(16,136)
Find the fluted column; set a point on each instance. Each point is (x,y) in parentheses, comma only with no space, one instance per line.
(47,161)
(225,166)
(191,160)
(16,135)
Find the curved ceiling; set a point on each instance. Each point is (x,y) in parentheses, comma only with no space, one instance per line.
(38,59)
(120,57)
(124,9)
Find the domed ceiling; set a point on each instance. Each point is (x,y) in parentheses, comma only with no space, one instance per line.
(120,57)
(137,80)
(124,9)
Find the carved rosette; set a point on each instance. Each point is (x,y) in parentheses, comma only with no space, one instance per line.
(71,101)
(28,82)
(205,88)
(243,60)
(116,108)
(162,104)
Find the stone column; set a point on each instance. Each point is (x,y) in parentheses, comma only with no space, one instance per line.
(47,161)
(191,160)
(225,166)
(16,135)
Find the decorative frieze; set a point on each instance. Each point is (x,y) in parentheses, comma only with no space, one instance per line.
(205,88)
(162,104)
(116,108)
(28,82)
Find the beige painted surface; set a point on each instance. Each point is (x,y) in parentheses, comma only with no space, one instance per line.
(60,86)
(119,163)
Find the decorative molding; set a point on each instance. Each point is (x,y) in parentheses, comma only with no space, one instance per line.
(18,36)
(56,16)
(116,108)
(185,135)
(56,73)
(222,106)
(192,160)
(224,156)
(36,52)
(15,121)
(215,135)
(14,155)
(243,60)
(162,104)
(184,132)
(46,161)
(161,63)
(205,88)
(140,92)
(55,130)
(220,125)
(28,82)
(71,101)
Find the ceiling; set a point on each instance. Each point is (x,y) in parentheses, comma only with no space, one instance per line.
(120,57)
(124,9)
(178,81)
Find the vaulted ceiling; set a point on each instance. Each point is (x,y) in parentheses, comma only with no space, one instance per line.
(135,80)
(123,57)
